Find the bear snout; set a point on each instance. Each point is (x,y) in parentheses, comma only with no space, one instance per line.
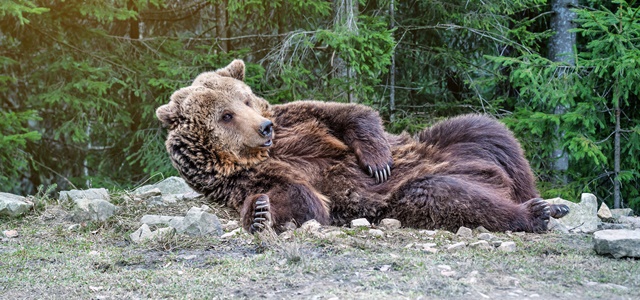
(266,129)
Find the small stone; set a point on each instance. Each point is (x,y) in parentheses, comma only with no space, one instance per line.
(617,243)
(481,229)
(362,222)
(231,233)
(150,193)
(73,227)
(231,225)
(205,208)
(617,212)
(604,213)
(142,234)
(456,246)
(74,195)
(444,267)
(430,250)
(485,236)
(390,224)
(464,232)
(428,232)
(507,247)
(172,221)
(583,216)
(289,226)
(481,245)
(199,223)
(631,221)
(310,226)
(534,296)
(93,210)
(385,268)
(447,273)
(10,233)
(333,234)
(171,185)
(376,233)
(13,205)
(495,243)
(555,225)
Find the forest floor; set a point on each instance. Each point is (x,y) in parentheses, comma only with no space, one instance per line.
(53,259)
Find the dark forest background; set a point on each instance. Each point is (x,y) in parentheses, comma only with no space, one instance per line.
(80,79)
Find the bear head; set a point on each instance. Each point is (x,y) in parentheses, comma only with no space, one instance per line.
(217,125)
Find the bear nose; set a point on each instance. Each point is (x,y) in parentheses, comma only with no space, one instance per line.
(266,128)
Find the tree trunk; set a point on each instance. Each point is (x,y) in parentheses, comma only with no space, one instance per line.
(616,156)
(134,25)
(561,49)
(345,18)
(392,72)
(222,28)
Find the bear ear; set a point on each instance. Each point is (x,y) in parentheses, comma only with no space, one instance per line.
(234,70)
(168,114)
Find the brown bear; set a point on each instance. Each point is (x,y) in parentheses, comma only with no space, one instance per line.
(334,162)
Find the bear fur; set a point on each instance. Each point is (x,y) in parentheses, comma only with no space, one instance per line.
(334,162)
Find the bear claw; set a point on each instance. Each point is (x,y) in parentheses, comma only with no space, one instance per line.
(540,214)
(559,210)
(261,215)
(380,174)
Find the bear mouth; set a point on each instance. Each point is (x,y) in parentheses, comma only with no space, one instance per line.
(267,144)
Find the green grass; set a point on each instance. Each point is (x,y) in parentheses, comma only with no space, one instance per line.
(48,261)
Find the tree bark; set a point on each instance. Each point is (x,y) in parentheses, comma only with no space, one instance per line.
(561,49)
(222,28)
(345,17)
(616,155)
(392,72)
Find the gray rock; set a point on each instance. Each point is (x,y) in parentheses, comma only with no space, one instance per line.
(456,246)
(93,210)
(200,223)
(485,236)
(150,193)
(390,224)
(172,221)
(609,226)
(604,213)
(144,233)
(618,243)
(231,225)
(310,226)
(74,195)
(362,222)
(429,233)
(376,233)
(507,247)
(495,243)
(583,216)
(464,232)
(481,229)
(171,185)
(631,221)
(617,212)
(481,245)
(555,225)
(232,233)
(13,205)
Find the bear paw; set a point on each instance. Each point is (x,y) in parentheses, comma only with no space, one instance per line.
(261,214)
(376,159)
(540,211)
(559,210)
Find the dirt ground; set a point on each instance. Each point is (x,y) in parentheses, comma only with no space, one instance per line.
(53,259)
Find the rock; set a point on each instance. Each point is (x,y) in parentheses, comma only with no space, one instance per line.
(10,233)
(430,233)
(154,192)
(604,213)
(390,224)
(631,221)
(142,234)
(495,243)
(74,195)
(376,233)
(232,233)
(362,222)
(289,226)
(456,246)
(609,226)
(310,226)
(74,227)
(333,234)
(444,267)
(481,229)
(13,205)
(464,232)
(507,247)
(231,225)
(618,243)
(172,185)
(481,245)
(485,236)
(555,225)
(93,210)
(617,212)
(172,221)
(199,223)
(583,216)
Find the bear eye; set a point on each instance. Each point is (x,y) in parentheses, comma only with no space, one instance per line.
(248,103)
(227,117)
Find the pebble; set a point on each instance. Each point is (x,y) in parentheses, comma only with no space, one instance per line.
(464,232)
